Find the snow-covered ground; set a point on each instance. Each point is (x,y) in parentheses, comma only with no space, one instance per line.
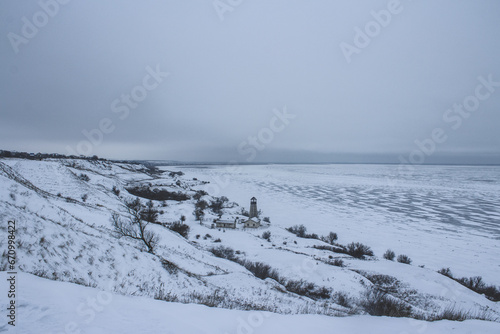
(440,216)
(67,237)
(54,307)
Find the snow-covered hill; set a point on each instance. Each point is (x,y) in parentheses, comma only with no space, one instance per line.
(55,307)
(63,210)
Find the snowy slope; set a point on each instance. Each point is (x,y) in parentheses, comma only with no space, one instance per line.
(440,216)
(53,307)
(65,238)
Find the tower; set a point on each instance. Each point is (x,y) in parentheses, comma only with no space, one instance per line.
(253,208)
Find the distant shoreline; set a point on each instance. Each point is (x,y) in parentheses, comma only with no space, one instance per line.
(42,156)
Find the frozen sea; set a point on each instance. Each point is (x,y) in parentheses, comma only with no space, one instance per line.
(440,216)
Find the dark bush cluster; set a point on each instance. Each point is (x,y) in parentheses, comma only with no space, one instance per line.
(385,282)
(199,194)
(169,266)
(336,249)
(244,212)
(174,174)
(404,259)
(301,232)
(263,271)
(354,249)
(218,204)
(266,235)
(83,177)
(180,228)
(116,191)
(224,252)
(338,263)
(158,194)
(41,156)
(308,289)
(445,272)
(476,284)
(358,250)
(379,303)
(199,210)
(330,238)
(301,287)
(389,255)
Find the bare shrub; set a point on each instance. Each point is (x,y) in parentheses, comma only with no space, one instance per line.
(182,229)
(338,262)
(169,266)
(199,194)
(379,303)
(475,283)
(300,231)
(223,252)
(389,255)
(446,272)
(341,298)
(83,177)
(404,259)
(266,235)
(358,250)
(150,213)
(217,205)
(336,249)
(330,238)
(135,227)
(308,289)
(158,194)
(453,314)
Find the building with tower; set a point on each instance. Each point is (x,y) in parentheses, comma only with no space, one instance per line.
(232,222)
(253,220)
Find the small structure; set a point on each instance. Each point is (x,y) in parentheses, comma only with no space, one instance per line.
(253,222)
(225,223)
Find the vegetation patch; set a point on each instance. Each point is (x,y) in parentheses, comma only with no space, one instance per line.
(181,228)
(358,250)
(404,259)
(379,303)
(158,194)
(476,284)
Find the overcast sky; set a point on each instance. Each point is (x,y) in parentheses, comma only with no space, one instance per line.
(252,81)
